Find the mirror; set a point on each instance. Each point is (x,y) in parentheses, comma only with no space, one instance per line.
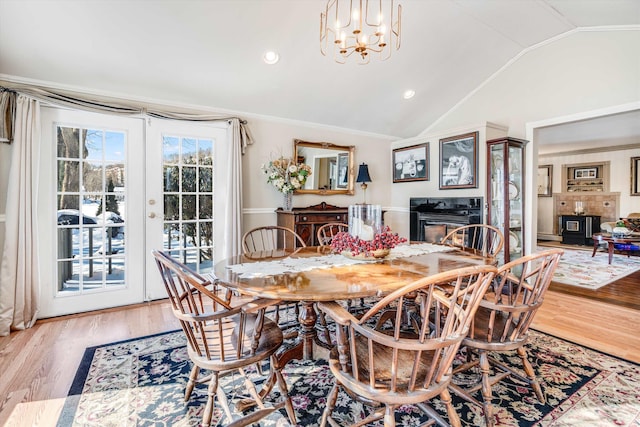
(332,170)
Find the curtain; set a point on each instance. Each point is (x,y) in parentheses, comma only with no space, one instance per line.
(103,105)
(19,281)
(233,211)
(7,111)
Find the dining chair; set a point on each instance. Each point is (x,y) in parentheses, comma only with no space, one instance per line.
(270,238)
(397,364)
(326,232)
(501,324)
(484,239)
(223,338)
(275,241)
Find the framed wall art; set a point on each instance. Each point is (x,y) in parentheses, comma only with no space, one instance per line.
(635,176)
(411,163)
(545,180)
(585,173)
(459,161)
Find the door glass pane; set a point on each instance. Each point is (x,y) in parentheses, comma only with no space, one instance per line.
(90,209)
(188,200)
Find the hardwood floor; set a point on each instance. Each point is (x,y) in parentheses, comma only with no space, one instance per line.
(38,365)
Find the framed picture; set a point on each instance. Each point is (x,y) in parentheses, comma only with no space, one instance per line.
(411,163)
(635,176)
(459,161)
(545,179)
(343,170)
(586,173)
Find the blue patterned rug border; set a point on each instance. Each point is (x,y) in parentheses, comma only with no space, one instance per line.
(75,391)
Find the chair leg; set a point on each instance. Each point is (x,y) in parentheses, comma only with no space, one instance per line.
(331,403)
(485,369)
(322,323)
(193,377)
(528,369)
(284,391)
(454,418)
(211,392)
(389,418)
(251,388)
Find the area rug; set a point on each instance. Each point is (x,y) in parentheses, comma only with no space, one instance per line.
(579,268)
(141,383)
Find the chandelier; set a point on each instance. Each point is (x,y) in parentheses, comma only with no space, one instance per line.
(362,27)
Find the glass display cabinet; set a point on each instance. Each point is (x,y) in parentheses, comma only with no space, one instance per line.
(505,193)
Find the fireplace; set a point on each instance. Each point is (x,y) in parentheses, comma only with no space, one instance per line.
(431,217)
(578,229)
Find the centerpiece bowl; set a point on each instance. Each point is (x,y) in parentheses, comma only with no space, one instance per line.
(376,254)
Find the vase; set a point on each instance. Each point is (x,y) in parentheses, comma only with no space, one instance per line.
(287,203)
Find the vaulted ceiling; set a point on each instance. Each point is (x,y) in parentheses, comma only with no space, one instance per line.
(209,53)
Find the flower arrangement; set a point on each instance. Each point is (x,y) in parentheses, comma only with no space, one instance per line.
(382,242)
(286,175)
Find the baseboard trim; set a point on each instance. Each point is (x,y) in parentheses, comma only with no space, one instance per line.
(553,237)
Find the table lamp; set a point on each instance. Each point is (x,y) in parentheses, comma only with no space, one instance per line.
(363,178)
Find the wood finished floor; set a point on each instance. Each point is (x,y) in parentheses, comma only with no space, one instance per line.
(37,366)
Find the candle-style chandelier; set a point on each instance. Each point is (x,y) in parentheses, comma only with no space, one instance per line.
(360,26)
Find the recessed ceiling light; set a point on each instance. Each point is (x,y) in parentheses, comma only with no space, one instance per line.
(409,94)
(270,57)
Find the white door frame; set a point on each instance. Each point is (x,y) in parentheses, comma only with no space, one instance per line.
(51,302)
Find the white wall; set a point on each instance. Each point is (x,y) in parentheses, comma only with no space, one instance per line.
(581,71)
(275,137)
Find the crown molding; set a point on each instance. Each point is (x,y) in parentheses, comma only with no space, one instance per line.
(590,150)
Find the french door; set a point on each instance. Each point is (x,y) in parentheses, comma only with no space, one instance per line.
(112,189)
(184,215)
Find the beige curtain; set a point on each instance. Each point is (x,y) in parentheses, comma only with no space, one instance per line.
(19,281)
(7,111)
(233,212)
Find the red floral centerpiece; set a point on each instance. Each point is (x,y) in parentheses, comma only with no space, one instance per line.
(355,247)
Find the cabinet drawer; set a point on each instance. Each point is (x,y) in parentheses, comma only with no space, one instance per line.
(323,218)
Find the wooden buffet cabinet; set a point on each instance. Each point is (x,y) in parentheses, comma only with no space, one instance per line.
(306,221)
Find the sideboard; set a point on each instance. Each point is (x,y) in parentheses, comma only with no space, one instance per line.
(306,221)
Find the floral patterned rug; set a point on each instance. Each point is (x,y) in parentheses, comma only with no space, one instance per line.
(141,383)
(579,268)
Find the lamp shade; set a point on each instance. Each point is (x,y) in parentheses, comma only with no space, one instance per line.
(363,174)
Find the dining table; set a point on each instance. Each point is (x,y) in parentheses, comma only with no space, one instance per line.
(311,274)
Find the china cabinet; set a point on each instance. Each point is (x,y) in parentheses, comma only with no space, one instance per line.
(505,193)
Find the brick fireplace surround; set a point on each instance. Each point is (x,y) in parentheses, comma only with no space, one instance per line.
(605,205)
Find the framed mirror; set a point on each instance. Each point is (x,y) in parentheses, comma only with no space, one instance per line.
(332,170)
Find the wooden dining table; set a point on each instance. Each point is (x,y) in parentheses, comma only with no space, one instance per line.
(341,282)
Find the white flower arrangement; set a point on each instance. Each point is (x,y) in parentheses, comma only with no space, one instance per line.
(286,175)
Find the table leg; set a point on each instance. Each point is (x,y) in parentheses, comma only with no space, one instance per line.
(308,319)
(610,246)
(596,243)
